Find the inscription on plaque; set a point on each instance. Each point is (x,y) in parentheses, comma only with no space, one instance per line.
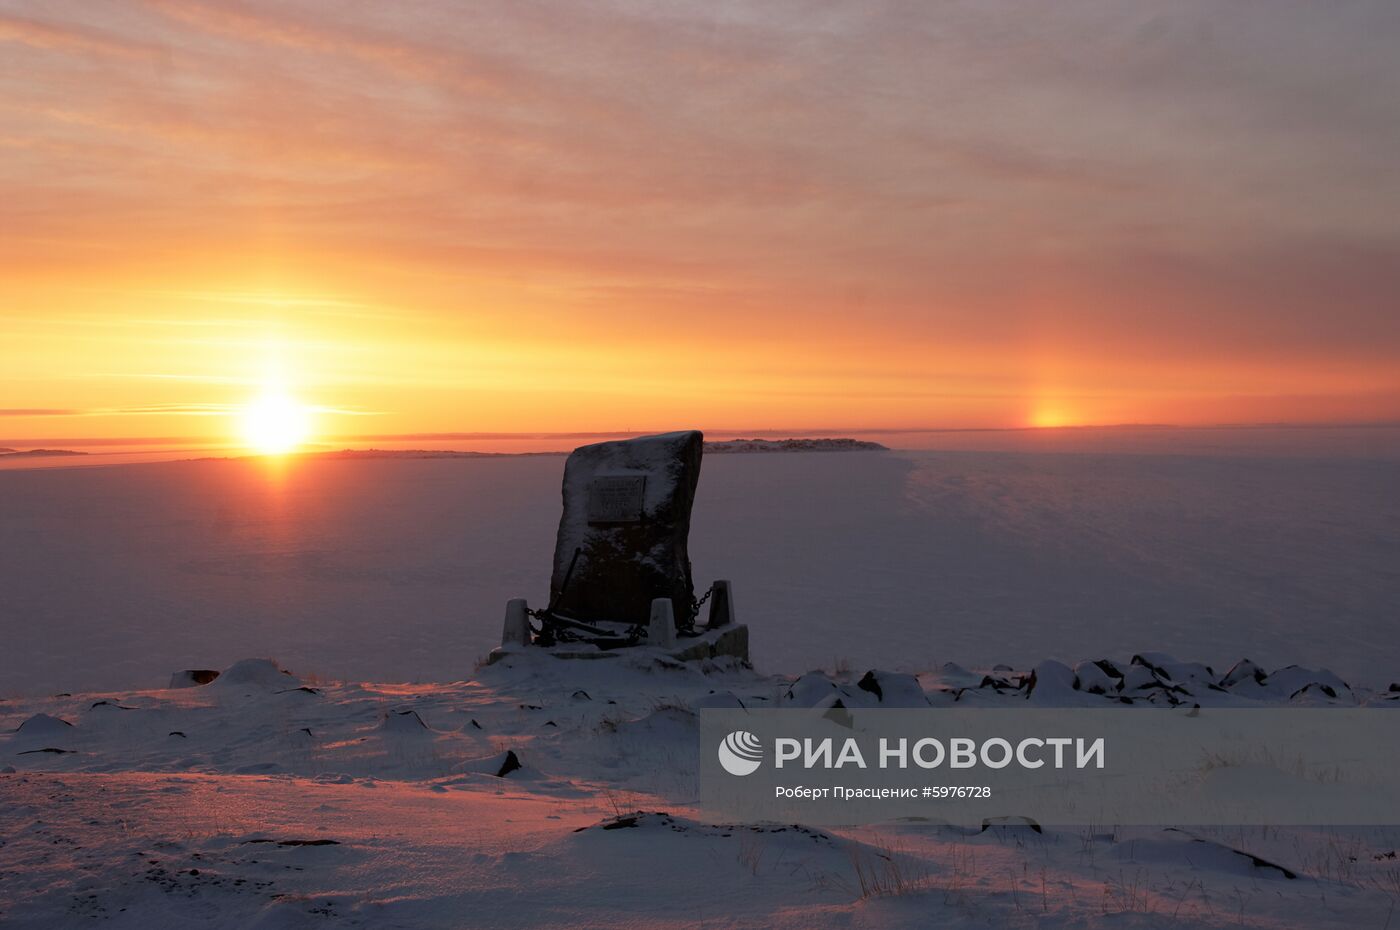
(616,498)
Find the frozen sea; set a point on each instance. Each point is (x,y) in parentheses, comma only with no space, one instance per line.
(1279,545)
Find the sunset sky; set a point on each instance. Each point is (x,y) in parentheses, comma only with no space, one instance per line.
(419,217)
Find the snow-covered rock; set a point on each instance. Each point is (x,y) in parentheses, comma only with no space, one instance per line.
(500,765)
(45,725)
(403,722)
(254,674)
(1243,671)
(810,690)
(1297,680)
(893,689)
(1050,678)
(1097,677)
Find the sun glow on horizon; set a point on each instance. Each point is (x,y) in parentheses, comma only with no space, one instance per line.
(1050,418)
(275,423)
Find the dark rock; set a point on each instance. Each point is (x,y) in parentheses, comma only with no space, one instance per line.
(622,822)
(1009,822)
(1108,668)
(510,764)
(626,514)
(193,677)
(1243,670)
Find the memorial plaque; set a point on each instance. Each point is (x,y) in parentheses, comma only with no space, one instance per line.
(616,499)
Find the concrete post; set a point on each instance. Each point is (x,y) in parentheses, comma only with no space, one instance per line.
(516,631)
(662,630)
(721,606)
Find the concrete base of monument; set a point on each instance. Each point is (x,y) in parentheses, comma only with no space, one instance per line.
(730,641)
(721,637)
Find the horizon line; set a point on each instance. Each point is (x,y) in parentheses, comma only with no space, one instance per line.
(767,432)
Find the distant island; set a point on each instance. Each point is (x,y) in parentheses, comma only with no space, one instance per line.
(730,446)
(36,453)
(795,445)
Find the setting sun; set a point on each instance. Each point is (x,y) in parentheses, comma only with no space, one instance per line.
(274,423)
(1049,418)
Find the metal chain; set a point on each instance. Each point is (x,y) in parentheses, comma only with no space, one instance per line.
(697,602)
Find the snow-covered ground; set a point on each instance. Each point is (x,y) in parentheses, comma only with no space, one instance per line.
(269,800)
(399,569)
(343,796)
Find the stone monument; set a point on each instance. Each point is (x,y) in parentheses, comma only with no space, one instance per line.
(625,528)
(621,574)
